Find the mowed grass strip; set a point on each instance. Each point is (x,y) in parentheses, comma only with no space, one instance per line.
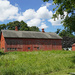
(37,63)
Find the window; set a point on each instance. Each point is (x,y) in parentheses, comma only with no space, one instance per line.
(15,48)
(11,48)
(38,48)
(8,48)
(28,48)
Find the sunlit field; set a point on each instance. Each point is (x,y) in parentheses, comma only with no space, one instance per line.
(37,63)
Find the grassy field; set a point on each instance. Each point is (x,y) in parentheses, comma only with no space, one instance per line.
(37,63)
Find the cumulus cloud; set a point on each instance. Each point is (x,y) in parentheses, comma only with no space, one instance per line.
(30,16)
(43,13)
(35,18)
(7,11)
(34,22)
(43,25)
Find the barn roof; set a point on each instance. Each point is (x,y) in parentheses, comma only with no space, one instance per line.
(29,34)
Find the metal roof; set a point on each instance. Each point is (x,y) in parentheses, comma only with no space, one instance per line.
(29,34)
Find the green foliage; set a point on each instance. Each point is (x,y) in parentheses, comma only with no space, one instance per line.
(2,26)
(11,25)
(69,23)
(34,28)
(24,26)
(21,26)
(65,6)
(36,62)
(66,33)
(58,31)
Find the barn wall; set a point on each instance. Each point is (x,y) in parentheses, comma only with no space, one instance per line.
(32,44)
(73,47)
(57,44)
(2,42)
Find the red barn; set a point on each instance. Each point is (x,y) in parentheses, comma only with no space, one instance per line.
(73,47)
(14,40)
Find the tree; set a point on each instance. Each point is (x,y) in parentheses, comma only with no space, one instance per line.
(2,26)
(11,25)
(65,6)
(69,23)
(67,38)
(58,31)
(24,26)
(65,33)
(21,26)
(67,42)
(34,28)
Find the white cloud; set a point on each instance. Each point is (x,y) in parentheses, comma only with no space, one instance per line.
(43,13)
(34,18)
(28,14)
(43,25)
(34,22)
(57,22)
(48,4)
(7,11)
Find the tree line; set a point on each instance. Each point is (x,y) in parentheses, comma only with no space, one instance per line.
(21,26)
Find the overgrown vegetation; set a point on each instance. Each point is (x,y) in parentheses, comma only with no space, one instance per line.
(37,63)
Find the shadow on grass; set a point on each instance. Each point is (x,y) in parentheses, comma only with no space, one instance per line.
(73,63)
(2,53)
(73,59)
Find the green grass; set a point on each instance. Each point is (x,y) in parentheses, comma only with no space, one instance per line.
(37,63)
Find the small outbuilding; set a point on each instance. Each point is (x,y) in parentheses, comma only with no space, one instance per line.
(73,47)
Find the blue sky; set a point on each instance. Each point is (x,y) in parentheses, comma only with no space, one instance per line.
(33,12)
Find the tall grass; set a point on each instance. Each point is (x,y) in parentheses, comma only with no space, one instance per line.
(36,62)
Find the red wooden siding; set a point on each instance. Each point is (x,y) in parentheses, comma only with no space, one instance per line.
(73,47)
(2,42)
(31,44)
